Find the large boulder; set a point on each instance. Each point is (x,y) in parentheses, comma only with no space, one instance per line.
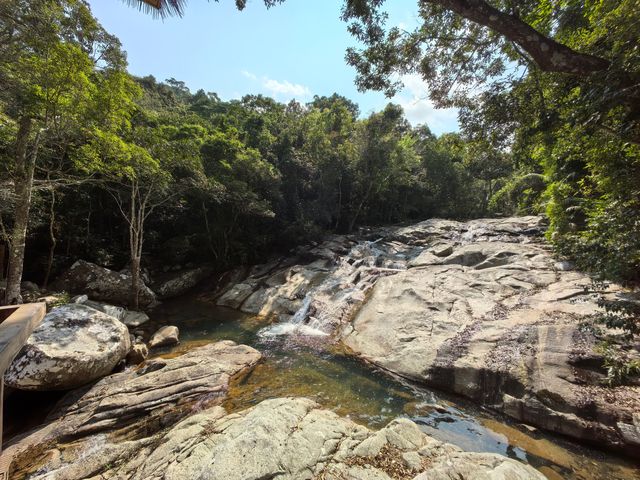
(93,429)
(174,284)
(100,283)
(73,345)
(492,318)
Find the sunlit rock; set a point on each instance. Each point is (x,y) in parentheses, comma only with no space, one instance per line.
(73,345)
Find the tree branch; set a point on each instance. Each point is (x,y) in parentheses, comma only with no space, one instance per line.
(548,54)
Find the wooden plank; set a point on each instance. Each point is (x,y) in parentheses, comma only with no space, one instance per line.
(16,328)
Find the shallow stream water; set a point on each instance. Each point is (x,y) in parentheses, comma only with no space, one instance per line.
(313,367)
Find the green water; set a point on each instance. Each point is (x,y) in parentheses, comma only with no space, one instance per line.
(313,368)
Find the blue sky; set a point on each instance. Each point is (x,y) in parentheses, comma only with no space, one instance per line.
(294,50)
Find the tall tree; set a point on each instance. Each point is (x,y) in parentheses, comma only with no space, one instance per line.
(54,57)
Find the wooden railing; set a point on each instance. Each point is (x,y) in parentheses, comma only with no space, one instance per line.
(16,324)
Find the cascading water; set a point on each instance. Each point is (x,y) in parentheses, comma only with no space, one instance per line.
(325,305)
(295,325)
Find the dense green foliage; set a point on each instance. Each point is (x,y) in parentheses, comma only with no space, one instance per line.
(238,179)
(129,167)
(573,138)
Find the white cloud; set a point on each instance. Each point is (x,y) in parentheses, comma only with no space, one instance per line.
(249,75)
(285,88)
(282,89)
(419,109)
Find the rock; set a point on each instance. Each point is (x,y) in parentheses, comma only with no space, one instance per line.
(164,337)
(103,284)
(79,299)
(138,354)
(236,295)
(286,438)
(180,282)
(51,299)
(112,310)
(565,266)
(496,321)
(93,429)
(74,345)
(130,318)
(134,319)
(30,287)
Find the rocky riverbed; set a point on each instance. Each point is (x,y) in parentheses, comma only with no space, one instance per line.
(480,309)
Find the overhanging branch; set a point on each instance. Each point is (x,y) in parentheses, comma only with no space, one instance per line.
(548,54)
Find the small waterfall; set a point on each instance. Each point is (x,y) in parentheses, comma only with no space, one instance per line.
(295,325)
(301,315)
(324,305)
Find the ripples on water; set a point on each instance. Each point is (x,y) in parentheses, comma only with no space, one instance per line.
(310,366)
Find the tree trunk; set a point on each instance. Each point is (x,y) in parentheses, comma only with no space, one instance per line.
(338,215)
(135,243)
(25,165)
(135,282)
(352,223)
(52,237)
(548,54)
(205,215)
(2,253)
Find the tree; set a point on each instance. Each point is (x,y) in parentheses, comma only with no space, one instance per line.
(138,181)
(54,58)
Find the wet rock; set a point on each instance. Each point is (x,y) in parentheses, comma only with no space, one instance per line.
(93,429)
(103,284)
(73,345)
(178,283)
(164,337)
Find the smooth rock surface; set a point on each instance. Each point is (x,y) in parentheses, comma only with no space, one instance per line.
(287,439)
(497,321)
(168,335)
(93,429)
(479,308)
(100,283)
(134,319)
(73,345)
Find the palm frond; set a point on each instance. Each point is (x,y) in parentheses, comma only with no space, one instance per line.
(159,8)
(170,8)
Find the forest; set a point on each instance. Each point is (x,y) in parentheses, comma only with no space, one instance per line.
(118,170)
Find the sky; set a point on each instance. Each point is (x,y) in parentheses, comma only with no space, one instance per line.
(294,50)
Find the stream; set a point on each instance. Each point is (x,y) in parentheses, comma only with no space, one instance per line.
(313,367)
